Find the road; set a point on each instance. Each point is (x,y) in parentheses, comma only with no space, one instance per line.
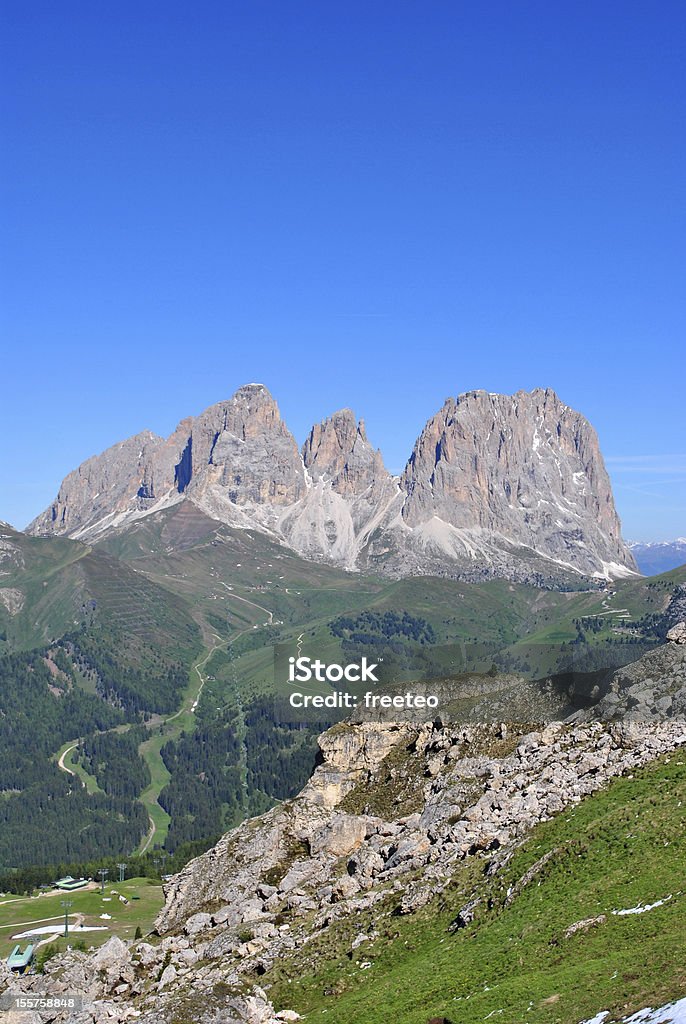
(196,697)
(253,603)
(62,765)
(150,836)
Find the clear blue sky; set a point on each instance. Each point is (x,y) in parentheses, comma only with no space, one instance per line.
(365,204)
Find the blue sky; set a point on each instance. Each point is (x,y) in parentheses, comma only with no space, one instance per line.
(357,204)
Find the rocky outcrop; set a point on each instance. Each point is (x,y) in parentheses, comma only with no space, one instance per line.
(12,599)
(271,848)
(651,689)
(677,634)
(501,485)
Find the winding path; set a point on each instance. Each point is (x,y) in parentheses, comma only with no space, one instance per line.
(253,603)
(62,765)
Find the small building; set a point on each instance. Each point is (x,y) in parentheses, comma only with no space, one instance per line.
(18,961)
(69,883)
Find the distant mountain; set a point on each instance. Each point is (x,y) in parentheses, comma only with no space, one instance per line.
(496,485)
(659,556)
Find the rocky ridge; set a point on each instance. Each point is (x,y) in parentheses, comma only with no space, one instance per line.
(387,818)
(511,486)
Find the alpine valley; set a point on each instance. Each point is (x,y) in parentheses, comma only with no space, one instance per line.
(475,865)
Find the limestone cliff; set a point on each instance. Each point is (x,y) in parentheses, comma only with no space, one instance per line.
(497,485)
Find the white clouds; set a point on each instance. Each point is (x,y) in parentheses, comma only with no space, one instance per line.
(671,464)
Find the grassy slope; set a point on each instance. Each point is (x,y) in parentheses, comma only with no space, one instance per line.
(47,573)
(623,847)
(639,597)
(65,583)
(197,567)
(510,616)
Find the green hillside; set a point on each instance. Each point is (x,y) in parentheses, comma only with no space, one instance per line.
(55,586)
(620,849)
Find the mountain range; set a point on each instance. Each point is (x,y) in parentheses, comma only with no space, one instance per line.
(658,556)
(495,486)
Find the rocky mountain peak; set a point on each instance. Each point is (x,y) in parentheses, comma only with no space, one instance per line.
(349,489)
(253,411)
(506,485)
(524,466)
(250,413)
(243,453)
(338,448)
(101,487)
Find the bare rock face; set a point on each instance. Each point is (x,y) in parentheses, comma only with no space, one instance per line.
(511,486)
(349,492)
(244,447)
(101,487)
(677,634)
(652,689)
(275,848)
(522,471)
(339,450)
(237,454)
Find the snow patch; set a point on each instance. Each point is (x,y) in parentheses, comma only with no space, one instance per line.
(642,909)
(58,929)
(614,571)
(670,1013)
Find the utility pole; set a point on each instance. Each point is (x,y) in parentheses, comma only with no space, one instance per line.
(66,904)
(122,869)
(103,872)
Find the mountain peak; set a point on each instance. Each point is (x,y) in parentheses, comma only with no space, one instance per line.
(523,466)
(505,485)
(339,449)
(253,391)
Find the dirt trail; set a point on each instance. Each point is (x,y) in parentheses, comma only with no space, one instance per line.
(62,765)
